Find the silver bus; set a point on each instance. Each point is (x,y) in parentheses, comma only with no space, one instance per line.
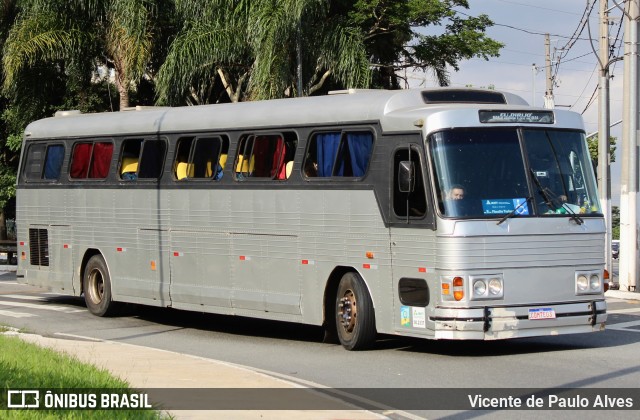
(440,213)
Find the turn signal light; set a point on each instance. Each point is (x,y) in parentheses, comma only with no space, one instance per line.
(458,288)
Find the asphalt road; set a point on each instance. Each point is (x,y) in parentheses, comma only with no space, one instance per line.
(605,360)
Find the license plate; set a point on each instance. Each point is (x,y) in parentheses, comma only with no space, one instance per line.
(542,313)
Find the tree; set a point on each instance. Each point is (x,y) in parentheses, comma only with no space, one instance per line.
(615,222)
(592,142)
(250,50)
(75,37)
(397,39)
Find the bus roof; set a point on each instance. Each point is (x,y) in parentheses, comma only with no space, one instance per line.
(396,110)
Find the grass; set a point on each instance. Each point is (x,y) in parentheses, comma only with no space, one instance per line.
(27,366)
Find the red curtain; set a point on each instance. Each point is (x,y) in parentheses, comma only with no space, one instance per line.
(102,153)
(80,160)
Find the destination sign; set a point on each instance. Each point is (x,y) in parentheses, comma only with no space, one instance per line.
(532,117)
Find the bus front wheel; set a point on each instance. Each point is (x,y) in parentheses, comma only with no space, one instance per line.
(355,316)
(96,284)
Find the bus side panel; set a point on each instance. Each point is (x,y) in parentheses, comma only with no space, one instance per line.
(414,257)
(264,251)
(338,229)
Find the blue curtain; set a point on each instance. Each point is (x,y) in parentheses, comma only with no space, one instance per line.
(360,145)
(327,146)
(52,165)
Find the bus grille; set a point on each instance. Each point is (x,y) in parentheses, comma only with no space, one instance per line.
(39,247)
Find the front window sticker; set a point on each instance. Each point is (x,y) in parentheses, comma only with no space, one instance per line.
(506,205)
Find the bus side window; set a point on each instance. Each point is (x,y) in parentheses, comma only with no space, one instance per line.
(152,159)
(265,156)
(91,160)
(129,161)
(80,158)
(339,154)
(415,202)
(101,160)
(53,161)
(201,157)
(33,165)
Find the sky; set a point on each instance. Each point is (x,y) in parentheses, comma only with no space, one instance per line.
(520,25)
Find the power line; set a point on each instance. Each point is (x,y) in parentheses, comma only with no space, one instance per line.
(538,7)
(531,32)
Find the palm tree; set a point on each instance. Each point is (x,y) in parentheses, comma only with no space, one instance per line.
(250,50)
(68,33)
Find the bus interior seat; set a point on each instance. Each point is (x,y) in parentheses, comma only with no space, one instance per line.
(129,165)
(288,169)
(184,170)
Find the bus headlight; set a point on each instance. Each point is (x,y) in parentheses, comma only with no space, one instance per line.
(582,283)
(588,282)
(495,287)
(486,287)
(479,288)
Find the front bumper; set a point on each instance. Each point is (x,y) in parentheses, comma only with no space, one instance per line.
(496,323)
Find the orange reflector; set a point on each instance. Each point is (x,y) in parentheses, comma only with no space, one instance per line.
(606,275)
(369,255)
(23,256)
(445,288)
(153,266)
(458,290)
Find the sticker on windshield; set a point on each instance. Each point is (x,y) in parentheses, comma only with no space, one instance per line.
(518,206)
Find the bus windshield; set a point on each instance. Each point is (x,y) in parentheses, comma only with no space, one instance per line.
(493,172)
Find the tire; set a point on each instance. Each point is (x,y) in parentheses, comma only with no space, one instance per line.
(355,316)
(96,285)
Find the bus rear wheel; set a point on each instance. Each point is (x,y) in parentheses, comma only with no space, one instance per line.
(96,284)
(355,316)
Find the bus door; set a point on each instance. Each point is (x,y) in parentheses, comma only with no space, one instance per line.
(412,239)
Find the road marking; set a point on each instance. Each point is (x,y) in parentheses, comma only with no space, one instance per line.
(43,306)
(625,326)
(624,311)
(25,297)
(16,314)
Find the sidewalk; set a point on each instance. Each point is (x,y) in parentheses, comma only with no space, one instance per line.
(144,367)
(621,294)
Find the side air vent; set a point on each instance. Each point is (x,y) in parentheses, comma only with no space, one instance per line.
(462,96)
(39,247)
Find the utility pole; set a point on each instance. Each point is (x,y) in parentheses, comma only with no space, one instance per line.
(604,161)
(629,176)
(548,94)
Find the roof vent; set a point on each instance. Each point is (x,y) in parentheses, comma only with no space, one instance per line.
(462,96)
(67,113)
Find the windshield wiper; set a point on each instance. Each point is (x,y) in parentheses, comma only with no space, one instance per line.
(514,211)
(549,201)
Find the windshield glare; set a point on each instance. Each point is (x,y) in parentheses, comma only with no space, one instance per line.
(490,173)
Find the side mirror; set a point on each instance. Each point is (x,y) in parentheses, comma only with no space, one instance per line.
(406,176)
